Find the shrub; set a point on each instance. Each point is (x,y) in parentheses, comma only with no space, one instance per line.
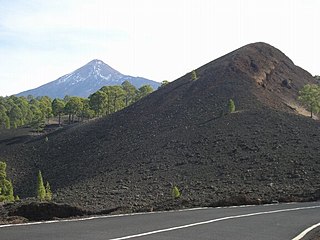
(310,96)
(175,192)
(231,106)
(41,191)
(194,75)
(6,188)
(48,192)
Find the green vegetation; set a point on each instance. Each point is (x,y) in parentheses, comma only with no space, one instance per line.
(46,107)
(175,192)
(41,191)
(130,92)
(310,96)
(143,91)
(58,106)
(97,101)
(48,196)
(37,121)
(6,188)
(194,75)
(113,99)
(4,119)
(231,106)
(36,112)
(164,83)
(73,108)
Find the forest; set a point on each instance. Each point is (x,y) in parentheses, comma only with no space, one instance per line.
(37,111)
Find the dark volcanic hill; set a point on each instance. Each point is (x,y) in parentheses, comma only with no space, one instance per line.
(87,80)
(181,135)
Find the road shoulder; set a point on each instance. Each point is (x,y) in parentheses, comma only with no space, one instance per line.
(313,235)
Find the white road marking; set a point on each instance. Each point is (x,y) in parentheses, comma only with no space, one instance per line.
(211,221)
(301,235)
(123,215)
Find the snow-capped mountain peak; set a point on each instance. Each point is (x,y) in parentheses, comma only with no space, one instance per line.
(86,80)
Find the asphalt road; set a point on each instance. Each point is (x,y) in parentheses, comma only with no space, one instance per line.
(281,221)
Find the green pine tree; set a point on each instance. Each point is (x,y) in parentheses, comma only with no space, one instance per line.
(3,167)
(231,106)
(41,191)
(310,96)
(175,192)
(6,188)
(194,75)
(48,192)
(10,196)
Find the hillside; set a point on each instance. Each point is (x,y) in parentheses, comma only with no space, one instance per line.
(87,80)
(181,135)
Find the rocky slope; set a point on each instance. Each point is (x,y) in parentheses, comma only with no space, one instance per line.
(265,151)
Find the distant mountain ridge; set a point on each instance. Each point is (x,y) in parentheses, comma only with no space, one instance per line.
(87,80)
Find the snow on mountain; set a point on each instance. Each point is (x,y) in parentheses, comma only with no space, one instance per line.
(86,80)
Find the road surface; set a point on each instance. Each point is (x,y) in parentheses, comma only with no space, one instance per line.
(280,221)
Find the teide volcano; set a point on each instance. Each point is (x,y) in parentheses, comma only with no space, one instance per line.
(181,135)
(87,80)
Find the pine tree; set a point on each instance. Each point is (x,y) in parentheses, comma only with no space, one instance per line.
(231,106)
(194,75)
(175,192)
(164,83)
(310,96)
(57,106)
(10,196)
(48,192)
(41,191)
(130,92)
(6,188)
(3,167)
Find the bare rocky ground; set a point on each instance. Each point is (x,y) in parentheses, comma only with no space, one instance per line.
(313,235)
(182,135)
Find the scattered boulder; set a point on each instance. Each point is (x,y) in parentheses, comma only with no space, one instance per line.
(286,83)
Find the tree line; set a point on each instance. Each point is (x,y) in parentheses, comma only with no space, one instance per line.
(19,111)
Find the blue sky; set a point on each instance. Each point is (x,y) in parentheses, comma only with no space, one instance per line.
(41,40)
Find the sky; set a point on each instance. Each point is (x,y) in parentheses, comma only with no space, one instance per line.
(42,40)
